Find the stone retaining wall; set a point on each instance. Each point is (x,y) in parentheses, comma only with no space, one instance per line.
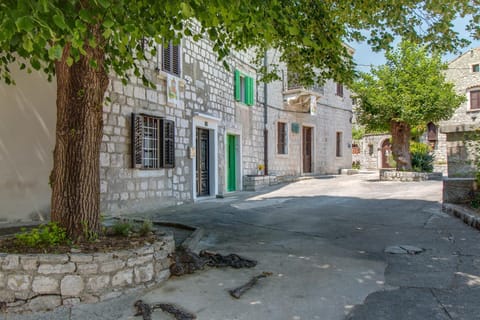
(37,282)
(458,190)
(407,176)
(255,183)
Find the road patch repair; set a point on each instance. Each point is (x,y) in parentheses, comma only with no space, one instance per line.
(403,249)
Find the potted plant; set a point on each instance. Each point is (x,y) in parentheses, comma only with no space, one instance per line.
(260,168)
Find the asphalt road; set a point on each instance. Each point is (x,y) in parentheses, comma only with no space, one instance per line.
(323,240)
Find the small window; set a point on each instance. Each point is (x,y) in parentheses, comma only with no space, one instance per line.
(171,58)
(355,149)
(281,138)
(244,88)
(339,150)
(476,68)
(475,100)
(153,142)
(432,134)
(339,90)
(370,149)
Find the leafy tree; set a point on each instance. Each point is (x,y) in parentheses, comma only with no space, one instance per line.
(81,42)
(409,91)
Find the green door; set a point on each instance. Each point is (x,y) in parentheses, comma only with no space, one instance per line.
(231,163)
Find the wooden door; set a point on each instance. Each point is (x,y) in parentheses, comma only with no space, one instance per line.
(231,163)
(386,153)
(203,162)
(307,149)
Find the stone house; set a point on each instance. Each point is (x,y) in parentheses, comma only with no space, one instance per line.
(372,151)
(197,135)
(458,135)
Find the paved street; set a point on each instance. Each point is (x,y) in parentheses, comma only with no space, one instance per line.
(324,240)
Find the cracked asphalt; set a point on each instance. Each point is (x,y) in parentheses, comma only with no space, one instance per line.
(324,240)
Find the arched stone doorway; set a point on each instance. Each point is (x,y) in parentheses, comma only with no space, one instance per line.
(386,150)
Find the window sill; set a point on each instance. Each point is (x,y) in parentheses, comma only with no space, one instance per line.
(473,110)
(243,105)
(162,75)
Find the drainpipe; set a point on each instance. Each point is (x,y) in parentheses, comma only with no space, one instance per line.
(265,113)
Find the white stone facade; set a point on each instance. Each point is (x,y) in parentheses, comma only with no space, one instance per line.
(456,140)
(292,106)
(206,100)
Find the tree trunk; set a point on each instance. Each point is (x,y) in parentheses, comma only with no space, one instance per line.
(401,145)
(75,178)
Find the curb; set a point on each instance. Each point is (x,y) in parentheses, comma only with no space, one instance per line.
(468,216)
(190,242)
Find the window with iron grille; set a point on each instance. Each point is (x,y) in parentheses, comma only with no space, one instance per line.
(475,100)
(171,58)
(153,142)
(339,90)
(281,138)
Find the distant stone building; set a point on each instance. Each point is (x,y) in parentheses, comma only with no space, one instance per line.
(373,151)
(458,136)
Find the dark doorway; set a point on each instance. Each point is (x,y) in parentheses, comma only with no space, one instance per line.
(231,163)
(386,153)
(203,162)
(307,149)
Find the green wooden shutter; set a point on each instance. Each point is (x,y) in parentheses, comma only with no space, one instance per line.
(249,99)
(237,86)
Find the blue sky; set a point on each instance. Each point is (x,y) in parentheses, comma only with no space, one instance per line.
(364,56)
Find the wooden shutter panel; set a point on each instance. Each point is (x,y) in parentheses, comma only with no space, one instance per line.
(175,50)
(166,60)
(237,92)
(167,149)
(249,86)
(475,100)
(137,140)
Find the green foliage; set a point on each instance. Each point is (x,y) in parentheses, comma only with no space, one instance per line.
(308,34)
(88,234)
(358,133)
(410,88)
(47,235)
(422,159)
(122,228)
(146,228)
(356,165)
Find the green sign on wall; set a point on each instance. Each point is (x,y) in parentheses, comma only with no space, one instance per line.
(295,127)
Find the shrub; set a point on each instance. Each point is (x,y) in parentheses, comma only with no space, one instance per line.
(146,228)
(422,159)
(47,235)
(122,228)
(356,165)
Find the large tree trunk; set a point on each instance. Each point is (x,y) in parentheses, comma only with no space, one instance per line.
(401,145)
(75,177)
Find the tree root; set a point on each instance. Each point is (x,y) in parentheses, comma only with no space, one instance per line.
(187,262)
(145,310)
(238,292)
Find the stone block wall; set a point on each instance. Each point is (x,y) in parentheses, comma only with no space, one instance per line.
(333,115)
(462,145)
(458,190)
(37,282)
(370,150)
(407,176)
(461,74)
